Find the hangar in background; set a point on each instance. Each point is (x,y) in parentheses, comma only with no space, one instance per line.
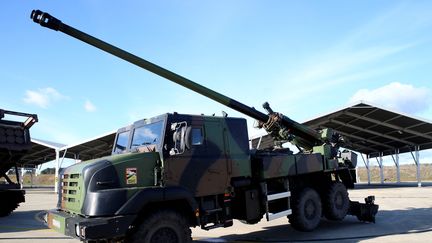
(373,132)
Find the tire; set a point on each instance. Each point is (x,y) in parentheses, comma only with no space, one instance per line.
(336,202)
(162,226)
(306,210)
(252,221)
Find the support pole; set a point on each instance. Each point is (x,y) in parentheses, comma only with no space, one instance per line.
(357,175)
(396,162)
(57,169)
(367,167)
(380,164)
(398,167)
(381,168)
(22,176)
(417,153)
(416,158)
(31,177)
(63,157)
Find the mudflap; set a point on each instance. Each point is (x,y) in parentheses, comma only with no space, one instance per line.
(364,211)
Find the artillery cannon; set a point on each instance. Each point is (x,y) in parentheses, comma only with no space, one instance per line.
(277,124)
(197,170)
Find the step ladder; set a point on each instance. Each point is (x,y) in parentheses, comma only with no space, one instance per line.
(269,198)
(221,213)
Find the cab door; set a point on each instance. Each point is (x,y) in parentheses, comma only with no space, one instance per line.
(202,168)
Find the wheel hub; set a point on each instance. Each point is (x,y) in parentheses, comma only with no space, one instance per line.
(164,235)
(310,209)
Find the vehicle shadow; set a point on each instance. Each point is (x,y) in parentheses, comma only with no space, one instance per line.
(388,222)
(19,221)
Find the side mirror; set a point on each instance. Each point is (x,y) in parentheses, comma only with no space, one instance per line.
(181,137)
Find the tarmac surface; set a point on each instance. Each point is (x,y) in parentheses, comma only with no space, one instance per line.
(405,215)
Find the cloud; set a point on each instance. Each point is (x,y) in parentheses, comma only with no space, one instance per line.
(368,51)
(42,97)
(398,96)
(338,63)
(55,130)
(89,106)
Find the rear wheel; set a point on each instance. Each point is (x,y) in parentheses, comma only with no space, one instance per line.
(306,210)
(163,226)
(336,202)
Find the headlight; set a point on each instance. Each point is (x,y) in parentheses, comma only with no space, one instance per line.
(77,230)
(80,231)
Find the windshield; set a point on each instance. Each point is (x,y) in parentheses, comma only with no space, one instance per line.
(149,134)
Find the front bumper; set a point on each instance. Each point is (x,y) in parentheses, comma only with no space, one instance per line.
(89,228)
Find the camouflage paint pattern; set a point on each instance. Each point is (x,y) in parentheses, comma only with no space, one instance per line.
(275,166)
(283,165)
(207,169)
(309,163)
(74,191)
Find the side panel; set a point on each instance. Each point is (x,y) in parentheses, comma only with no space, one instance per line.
(203,168)
(237,148)
(275,166)
(308,163)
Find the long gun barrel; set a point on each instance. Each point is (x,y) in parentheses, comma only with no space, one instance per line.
(309,137)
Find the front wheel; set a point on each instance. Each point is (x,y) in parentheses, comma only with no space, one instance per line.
(306,210)
(163,226)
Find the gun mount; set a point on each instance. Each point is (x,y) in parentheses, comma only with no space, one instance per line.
(280,127)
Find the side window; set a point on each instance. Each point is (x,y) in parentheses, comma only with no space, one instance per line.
(122,142)
(197,136)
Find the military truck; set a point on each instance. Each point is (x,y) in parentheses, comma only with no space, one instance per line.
(14,144)
(175,171)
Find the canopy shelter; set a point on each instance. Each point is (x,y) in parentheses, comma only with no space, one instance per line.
(41,152)
(375,132)
(91,148)
(44,151)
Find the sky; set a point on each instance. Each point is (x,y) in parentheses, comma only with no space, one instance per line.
(305,58)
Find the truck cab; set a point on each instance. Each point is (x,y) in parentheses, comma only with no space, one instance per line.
(185,161)
(200,153)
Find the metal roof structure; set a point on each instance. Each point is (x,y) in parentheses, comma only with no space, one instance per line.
(41,152)
(91,148)
(44,151)
(371,130)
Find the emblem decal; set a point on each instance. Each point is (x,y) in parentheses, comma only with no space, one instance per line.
(131,176)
